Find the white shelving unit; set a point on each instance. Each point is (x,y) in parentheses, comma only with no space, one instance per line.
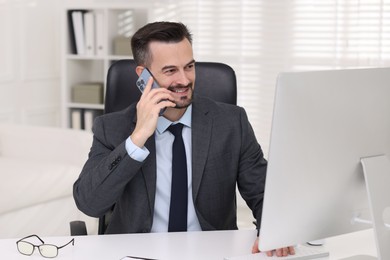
(117,20)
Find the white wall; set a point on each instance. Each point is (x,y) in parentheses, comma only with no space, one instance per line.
(30,62)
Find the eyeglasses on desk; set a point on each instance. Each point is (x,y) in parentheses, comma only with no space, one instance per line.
(46,250)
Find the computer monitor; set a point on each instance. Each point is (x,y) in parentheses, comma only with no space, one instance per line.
(324,123)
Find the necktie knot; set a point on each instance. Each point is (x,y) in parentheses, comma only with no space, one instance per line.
(176,129)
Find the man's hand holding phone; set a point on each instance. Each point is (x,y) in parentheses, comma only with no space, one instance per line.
(152,101)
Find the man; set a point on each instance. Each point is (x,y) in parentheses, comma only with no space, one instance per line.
(130,163)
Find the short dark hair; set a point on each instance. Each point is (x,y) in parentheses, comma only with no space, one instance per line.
(156,31)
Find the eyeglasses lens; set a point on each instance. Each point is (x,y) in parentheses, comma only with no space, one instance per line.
(49,251)
(25,248)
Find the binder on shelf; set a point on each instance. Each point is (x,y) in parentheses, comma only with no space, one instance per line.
(76,119)
(72,40)
(78,29)
(82,119)
(89,23)
(99,33)
(89,117)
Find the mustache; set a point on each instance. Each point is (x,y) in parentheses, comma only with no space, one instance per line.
(173,87)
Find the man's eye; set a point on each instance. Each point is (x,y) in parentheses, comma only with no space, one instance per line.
(190,66)
(171,71)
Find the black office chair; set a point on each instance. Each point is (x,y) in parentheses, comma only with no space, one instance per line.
(214,80)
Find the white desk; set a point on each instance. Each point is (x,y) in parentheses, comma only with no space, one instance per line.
(213,245)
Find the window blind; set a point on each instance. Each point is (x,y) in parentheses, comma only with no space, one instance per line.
(261,38)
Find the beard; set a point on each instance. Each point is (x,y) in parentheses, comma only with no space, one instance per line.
(186,100)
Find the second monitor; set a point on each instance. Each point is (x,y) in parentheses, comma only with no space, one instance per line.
(324,123)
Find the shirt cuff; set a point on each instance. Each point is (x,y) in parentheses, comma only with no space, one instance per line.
(136,153)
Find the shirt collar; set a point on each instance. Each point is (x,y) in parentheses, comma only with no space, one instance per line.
(163,123)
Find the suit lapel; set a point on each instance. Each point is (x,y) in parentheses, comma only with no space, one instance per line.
(201,136)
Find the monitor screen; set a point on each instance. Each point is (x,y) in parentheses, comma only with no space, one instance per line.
(324,122)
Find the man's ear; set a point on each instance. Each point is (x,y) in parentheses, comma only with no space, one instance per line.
(139,70)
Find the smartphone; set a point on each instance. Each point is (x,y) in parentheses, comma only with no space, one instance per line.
(143,80)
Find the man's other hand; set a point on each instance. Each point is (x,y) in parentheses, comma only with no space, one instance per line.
(277,252)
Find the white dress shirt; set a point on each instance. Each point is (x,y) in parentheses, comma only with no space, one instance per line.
(164,141)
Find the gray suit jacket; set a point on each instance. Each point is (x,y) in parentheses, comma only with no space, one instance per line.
(224,152)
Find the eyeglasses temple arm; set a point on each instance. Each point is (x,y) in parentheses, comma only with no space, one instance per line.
(71,241)
(29,237)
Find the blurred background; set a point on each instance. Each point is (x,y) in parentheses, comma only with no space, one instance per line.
(257,38)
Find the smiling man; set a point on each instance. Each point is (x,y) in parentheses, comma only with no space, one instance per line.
(158,180)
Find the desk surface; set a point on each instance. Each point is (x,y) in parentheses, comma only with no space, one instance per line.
(212,245)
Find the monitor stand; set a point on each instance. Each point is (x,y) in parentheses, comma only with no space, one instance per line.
(377,177)
(360,257)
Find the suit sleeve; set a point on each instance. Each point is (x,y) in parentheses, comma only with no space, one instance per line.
(104,175)
(252,169)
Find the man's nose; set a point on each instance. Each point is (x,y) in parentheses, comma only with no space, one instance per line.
(182,78)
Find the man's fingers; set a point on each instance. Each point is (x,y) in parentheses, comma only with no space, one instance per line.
(281,251)
(166,103)
(147,88)
(255,247)
(149,84)
(160,96)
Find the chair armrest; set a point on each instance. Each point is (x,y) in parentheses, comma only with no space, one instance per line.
(78,228)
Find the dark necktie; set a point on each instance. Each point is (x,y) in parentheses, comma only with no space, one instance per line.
(179,190)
